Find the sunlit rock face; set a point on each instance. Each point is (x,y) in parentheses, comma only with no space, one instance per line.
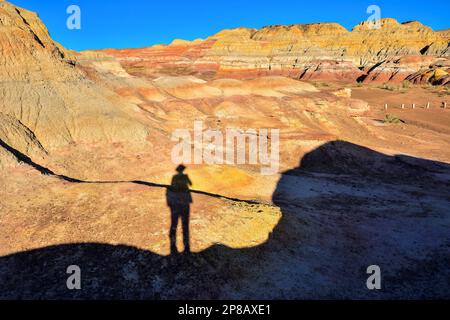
(321,51)
(38,81)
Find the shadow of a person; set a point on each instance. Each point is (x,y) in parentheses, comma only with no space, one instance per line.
(179,200)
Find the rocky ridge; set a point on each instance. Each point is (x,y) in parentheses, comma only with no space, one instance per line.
(319,51)
(38,77)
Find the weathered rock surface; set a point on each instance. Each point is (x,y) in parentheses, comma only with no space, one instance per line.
(322,51)
(42,89)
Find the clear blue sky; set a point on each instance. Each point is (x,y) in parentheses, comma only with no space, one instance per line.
(140,23)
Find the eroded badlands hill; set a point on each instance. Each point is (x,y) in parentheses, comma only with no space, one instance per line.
(45,100)
(321,51)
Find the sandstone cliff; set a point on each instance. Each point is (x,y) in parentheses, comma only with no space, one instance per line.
(320,51)
(45,99)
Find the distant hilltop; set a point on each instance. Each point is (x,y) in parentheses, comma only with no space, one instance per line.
(394,52)
(316,51)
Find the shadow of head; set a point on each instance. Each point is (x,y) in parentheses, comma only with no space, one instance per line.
(318,250)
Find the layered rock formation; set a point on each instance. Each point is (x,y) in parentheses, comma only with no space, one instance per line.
(44,93)
(113,108)
(322,51)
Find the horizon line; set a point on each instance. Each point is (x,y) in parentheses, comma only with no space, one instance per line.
(250,28)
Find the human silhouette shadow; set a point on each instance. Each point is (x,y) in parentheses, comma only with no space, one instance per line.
(327,195)
(179,200)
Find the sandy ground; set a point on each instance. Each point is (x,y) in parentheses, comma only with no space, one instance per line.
(315,241)
(309,232)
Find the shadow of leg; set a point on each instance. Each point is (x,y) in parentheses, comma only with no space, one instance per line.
(173,231)
(186,236)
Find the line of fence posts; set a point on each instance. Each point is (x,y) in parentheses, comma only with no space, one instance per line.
(443,106)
